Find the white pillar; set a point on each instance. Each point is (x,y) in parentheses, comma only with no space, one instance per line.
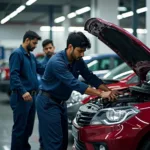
(66,23)
(107,10)
(148,23)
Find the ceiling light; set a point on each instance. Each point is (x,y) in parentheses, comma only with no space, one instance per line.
(142,31)
(141,10)
(121,8)
(58,28)
(20,9)
(83,10)
(30,2)
(119,17)
(13,14)
(59,19)
(3,21)
(129,30)
(128,14)
(71,15)
(72,29)
(45,28)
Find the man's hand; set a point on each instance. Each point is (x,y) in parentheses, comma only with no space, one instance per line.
(27,96)
(109,94)
(117,92)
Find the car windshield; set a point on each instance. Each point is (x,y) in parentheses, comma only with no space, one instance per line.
(119,72)
(102,63)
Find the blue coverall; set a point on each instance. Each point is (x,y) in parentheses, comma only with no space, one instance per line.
(44,63)
(59,80)
(23,78)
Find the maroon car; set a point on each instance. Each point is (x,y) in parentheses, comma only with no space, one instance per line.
(123,124)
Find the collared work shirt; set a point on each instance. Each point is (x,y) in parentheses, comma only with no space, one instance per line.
(23,71)
(60,77)
(45,60)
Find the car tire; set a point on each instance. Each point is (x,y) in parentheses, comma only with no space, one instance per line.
(146,145)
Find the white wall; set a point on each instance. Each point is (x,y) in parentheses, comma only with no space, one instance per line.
(11,37)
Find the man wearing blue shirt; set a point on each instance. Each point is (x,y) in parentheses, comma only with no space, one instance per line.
(48,48)
(24,86)
(58,82)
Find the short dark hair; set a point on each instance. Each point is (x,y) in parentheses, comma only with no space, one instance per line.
(31,35)
(78,39)
(46,42)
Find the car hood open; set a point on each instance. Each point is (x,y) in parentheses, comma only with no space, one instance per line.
(128,47)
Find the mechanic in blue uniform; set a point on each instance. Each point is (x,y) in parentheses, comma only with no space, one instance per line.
(58,81)
(48,49)
(24,85)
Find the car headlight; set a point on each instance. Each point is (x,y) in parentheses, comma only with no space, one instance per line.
(111,116)
(76,97)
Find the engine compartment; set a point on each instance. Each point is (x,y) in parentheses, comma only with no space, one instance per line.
(130,97)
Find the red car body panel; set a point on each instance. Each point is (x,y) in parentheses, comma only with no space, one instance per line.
(124,136)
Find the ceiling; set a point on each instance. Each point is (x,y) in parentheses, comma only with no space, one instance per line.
(38,13)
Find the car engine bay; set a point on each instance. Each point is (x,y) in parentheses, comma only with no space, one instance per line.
(130,97)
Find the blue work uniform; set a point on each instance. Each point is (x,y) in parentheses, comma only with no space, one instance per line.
(23,78)
(57,84)
(44,63)
(45,60)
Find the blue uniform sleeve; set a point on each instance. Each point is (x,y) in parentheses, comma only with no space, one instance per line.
(60,70)
(40,67)
(15,70)
(88,75)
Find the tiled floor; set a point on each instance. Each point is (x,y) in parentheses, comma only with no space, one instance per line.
(6,122)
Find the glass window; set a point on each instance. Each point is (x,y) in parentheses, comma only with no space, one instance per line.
(119,72)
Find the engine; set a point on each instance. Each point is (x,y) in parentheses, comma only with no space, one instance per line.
(133,96)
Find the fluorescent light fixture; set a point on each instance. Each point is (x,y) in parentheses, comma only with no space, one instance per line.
(59,19)
(121,8)
(83,10)
(141,31)
(3,21)
(71,15)
(45,28)
(30,2)
(119,17)
(13,14)
(54,28)
(127,14)
(141,10)
(58,28)
(20,9)
(72,29)
(129,30)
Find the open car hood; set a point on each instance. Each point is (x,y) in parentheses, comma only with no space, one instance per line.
(128,47)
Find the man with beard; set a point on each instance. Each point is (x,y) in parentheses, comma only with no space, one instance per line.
(58,82)
(24,86)
(48,48)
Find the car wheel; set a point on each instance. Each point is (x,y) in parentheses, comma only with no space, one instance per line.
(146,145)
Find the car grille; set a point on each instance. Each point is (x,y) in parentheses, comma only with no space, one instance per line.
(83,118)
(79,145)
